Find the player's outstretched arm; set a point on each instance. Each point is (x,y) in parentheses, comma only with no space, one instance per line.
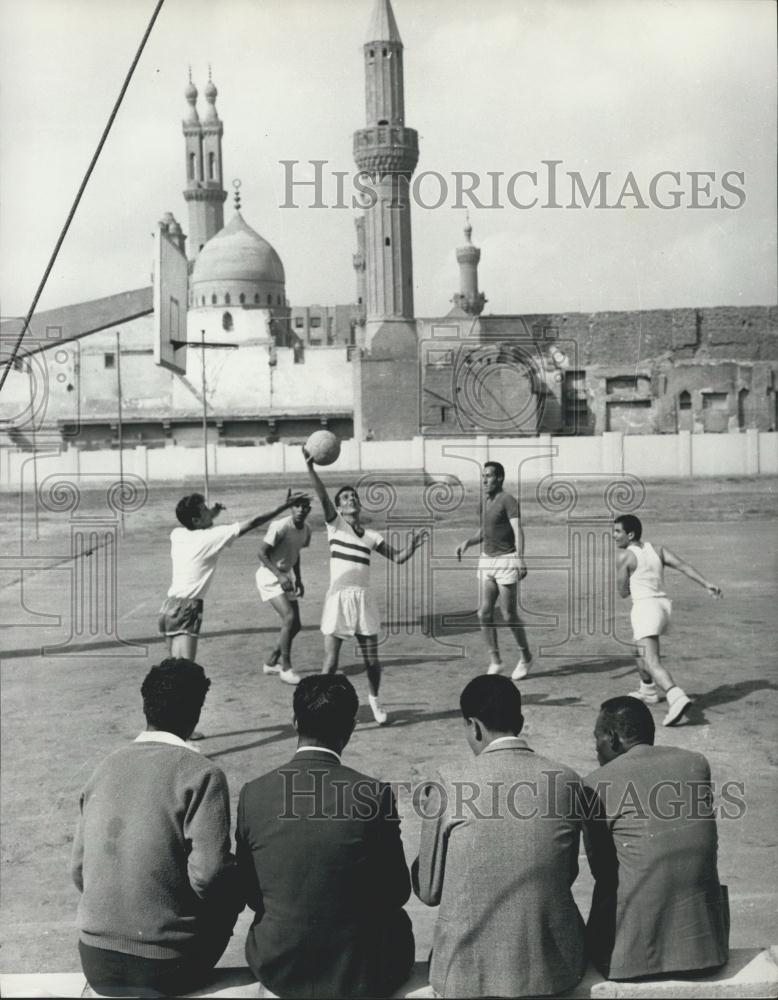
(320,489)
(255,522)
(400,556)
(671,559)
(467,544)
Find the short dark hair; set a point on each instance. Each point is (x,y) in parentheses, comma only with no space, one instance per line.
(499,469)
(188,508)
(173,695)
(629,718)
(325,707)
(631,525)
(343,490)
(495,701)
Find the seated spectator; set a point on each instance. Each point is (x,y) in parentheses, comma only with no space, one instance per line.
(499,854)
(321,860)
(151,858)
(658,906)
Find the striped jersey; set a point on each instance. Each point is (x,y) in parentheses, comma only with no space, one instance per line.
(350,554)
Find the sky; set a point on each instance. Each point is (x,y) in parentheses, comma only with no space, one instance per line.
(640,86)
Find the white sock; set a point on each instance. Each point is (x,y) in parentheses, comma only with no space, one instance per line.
(648,688)
(374,701)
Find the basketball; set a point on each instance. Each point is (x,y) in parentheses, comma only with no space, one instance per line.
(323,447)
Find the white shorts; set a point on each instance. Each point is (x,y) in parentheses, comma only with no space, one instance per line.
(504,570)
(269,586)
(650,616)
(350,611)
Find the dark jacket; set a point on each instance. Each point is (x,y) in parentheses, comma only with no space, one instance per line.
(320,855)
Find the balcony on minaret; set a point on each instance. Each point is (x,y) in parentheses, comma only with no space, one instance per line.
(386,149)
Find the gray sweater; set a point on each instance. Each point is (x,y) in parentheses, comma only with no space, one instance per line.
(152,852)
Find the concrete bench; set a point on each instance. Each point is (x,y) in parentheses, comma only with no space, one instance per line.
(750,972)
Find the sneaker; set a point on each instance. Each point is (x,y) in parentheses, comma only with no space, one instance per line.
(523,667)
(379,714)
(676,709)
(288,676)
(271,668)
(494,668)
(648,693)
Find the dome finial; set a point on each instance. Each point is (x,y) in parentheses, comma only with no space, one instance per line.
(468,227)
(190,93)
(236,184)
(210,92)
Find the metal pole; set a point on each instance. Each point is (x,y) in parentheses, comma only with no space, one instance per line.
(121,440)
(205,421)
(34,448)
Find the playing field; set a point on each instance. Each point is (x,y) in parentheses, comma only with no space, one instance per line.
(62,713)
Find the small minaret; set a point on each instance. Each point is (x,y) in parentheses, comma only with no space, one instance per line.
(387,151)
(359,267)
(469,299)
(204,193)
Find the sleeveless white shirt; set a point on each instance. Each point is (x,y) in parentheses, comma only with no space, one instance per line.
(648,579)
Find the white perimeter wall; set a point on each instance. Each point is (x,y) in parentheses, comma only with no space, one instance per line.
(681,455)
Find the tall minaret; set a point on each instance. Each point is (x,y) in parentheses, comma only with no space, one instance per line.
(469,299)
(204,192)
(388,152)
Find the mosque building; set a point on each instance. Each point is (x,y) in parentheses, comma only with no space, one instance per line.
(262,370)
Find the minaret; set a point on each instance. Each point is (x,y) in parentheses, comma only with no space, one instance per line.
(388,152)
(469,299)
(204,192)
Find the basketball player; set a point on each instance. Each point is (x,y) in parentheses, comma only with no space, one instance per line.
(194,551)
(349,606)
(640,574)
(280,582)
(500,568)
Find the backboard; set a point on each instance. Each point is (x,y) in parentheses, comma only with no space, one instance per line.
(171,286)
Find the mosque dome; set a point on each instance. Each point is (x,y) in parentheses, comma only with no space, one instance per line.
(238,266)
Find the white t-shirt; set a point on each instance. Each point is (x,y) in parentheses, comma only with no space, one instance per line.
(286,541)
(350,554)
(194,555)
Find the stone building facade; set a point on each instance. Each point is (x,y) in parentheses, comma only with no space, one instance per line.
(708,370)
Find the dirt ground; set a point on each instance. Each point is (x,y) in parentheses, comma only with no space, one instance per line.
(63,711)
